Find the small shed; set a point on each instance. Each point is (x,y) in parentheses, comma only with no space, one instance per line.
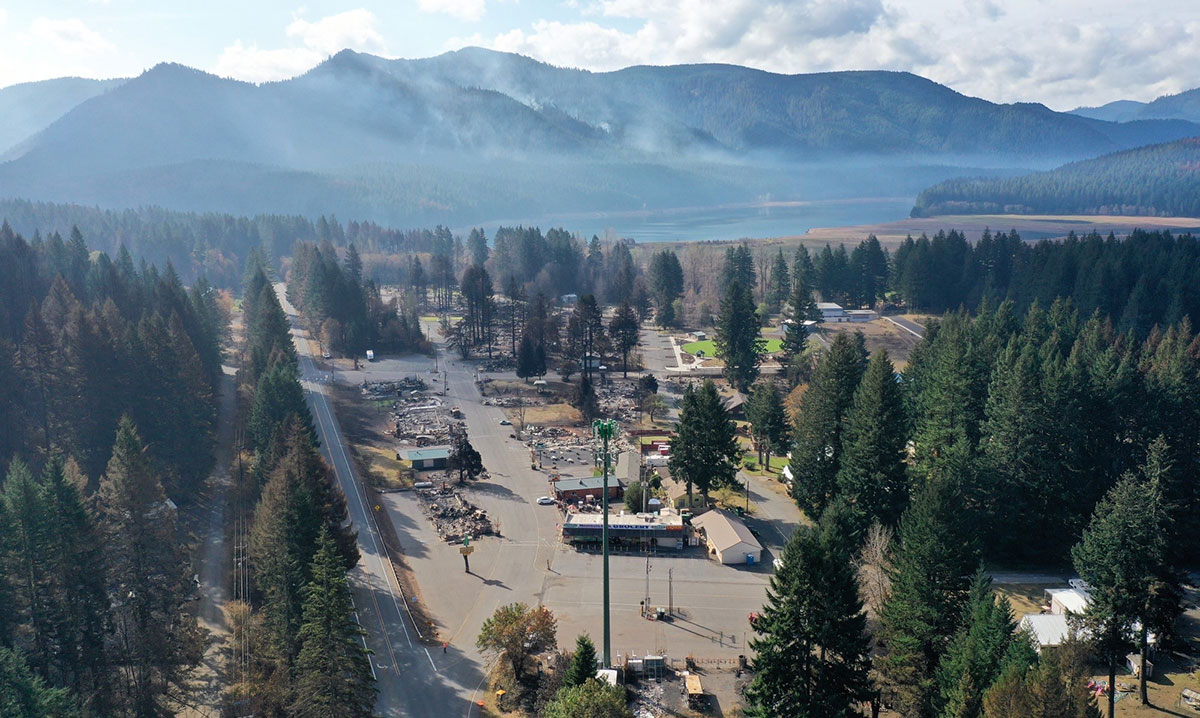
(728,539)
(433,457)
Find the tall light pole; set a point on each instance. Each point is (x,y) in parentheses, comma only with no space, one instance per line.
(605,430)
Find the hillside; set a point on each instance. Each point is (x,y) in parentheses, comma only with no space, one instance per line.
(29,107)
(1183,106)
(476,135)
(1160,179)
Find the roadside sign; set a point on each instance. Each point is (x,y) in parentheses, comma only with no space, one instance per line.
(466,550)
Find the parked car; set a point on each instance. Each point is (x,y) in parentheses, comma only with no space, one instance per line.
(326,355)
(505,422)
(545,501)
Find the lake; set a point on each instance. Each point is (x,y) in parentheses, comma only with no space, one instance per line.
(728,222)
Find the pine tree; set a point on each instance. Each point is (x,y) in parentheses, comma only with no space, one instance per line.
(583,662)
(704,452)
(768,421)
(817,448)
(77,570)
(780,285)
(333,673)
(625,332)
(871,474)
(28,534)
(812,650)
(931,578)
(1122,553)
(737,341)
(156,639)
(801,308)
(23,694)
(982,648)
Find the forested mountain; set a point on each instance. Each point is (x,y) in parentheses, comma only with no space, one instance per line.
(476,135)
(1161,179)
(29,107)
(1183,106)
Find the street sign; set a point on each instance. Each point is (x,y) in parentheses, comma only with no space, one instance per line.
(466,550)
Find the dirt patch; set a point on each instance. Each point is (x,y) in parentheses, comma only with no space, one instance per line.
(365,425)
(1025,597)
(549,415)
(879,334)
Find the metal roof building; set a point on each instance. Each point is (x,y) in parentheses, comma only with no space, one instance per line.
(728,539)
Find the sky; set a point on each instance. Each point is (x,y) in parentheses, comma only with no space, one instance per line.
(1063,53)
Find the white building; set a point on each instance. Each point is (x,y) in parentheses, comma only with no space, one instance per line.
(728,539)
(1048,629)
(1068,600)
(831,312)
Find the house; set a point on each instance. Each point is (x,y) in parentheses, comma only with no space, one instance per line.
(569,298)
(591,362)
(1068,600)
(698,336)
(728,539)
(572,490)
(677,490)
(434,457)
(831,312)
(1048,629)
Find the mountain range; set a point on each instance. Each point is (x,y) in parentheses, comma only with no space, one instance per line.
(1183,106)
(474,135)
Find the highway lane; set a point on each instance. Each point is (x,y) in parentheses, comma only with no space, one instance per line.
(409,681)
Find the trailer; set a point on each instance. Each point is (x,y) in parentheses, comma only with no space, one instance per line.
(370,355)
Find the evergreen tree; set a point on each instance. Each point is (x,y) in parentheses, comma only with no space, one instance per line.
(27,537)
(768,422)
(1122,553)
(157,640)
(666,284)
(23,694)
(704,451)
(931,580)
(477,245)
(76,567)
(800,308)
(625,332)
(278,396)
(780,285)
(583,662)
(737,340)
(982,648)
(812,650)
(817,448)
(527,360)
(871,474)
(333,672)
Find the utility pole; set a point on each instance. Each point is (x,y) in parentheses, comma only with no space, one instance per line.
(646,610)
(605,430)
(670,593)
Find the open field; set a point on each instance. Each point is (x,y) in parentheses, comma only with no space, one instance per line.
(365,425)
(709,348)
(879,334)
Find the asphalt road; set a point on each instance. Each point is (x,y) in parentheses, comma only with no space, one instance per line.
(408,678)
(908,325)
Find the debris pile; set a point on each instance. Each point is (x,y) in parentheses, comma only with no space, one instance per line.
(453,516)
(387,389)
(649,700)
(619,401)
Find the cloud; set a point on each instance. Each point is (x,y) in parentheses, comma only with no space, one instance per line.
(471,10)
(353,29)
(70,35)
(977,48)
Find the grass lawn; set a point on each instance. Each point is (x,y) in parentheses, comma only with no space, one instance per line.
(773,346)
(384,469)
